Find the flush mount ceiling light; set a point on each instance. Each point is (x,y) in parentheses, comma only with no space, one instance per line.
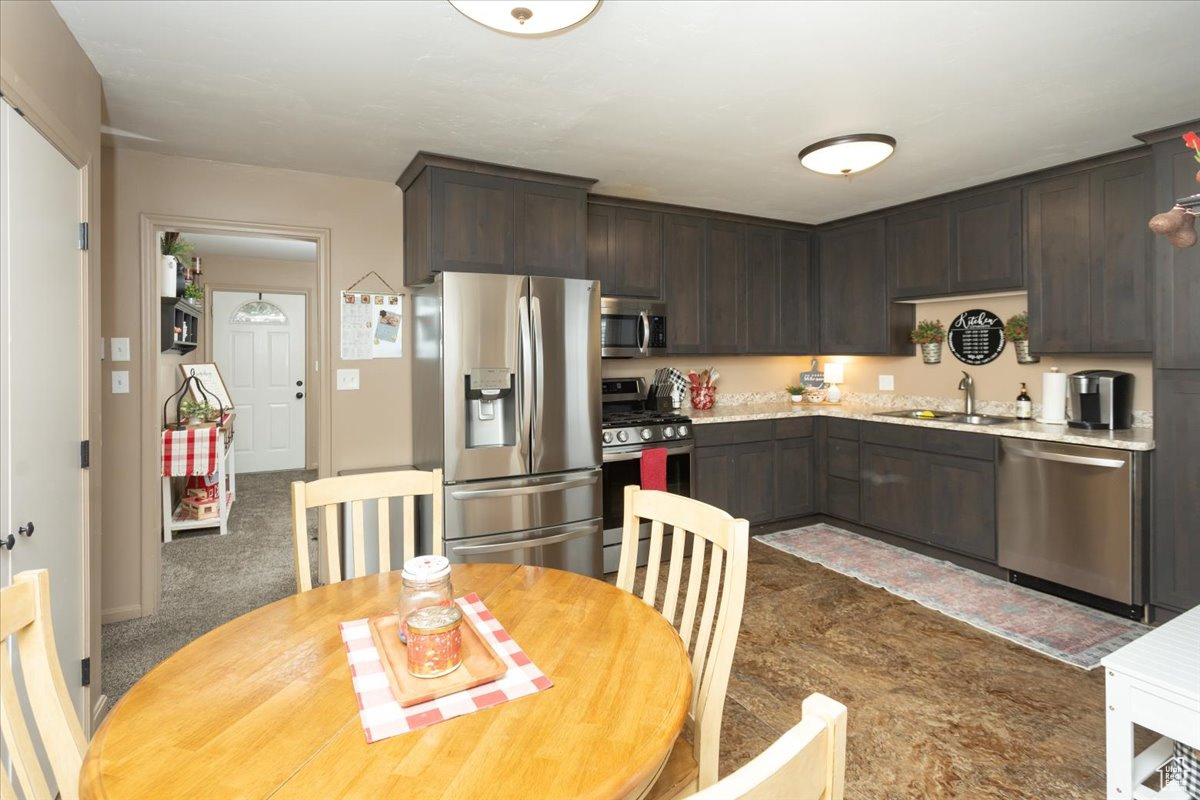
(527,17)
(846,155)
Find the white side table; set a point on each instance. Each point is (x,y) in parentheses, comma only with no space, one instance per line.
(1153,682)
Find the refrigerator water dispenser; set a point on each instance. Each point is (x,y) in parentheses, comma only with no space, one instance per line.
(491,408)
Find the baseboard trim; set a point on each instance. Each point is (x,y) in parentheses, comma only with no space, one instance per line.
(121,613)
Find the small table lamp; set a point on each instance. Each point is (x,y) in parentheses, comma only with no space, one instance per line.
(833,376)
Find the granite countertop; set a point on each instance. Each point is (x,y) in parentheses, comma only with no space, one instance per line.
(1132,439)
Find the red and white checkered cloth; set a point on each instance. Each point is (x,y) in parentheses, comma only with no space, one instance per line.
(191,451)
(382,717)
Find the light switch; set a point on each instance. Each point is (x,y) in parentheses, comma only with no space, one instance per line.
(887,383)
(120,348)
(347,379)
(120,381)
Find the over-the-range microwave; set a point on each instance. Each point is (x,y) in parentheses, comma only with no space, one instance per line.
(632,328)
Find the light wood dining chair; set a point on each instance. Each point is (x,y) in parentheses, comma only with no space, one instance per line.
(806,763)
(328,493)
(25,611)
(720,543)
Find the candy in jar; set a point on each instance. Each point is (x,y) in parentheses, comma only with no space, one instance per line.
(434,641)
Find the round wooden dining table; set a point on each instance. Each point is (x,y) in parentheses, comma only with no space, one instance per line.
(263,705)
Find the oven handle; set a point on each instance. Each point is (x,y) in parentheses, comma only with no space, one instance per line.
(637,456)
(526,544)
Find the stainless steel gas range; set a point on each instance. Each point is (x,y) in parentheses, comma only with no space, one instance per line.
(630,427)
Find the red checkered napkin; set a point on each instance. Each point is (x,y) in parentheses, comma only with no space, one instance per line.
(191,451)
(383,717)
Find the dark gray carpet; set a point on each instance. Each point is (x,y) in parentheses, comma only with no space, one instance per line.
(208,579)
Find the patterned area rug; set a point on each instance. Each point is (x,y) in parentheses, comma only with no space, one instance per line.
(1058,628)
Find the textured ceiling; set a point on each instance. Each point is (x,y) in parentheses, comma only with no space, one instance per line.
(699,103)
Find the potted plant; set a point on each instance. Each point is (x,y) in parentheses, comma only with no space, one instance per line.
(929,334)
(173,247)
(193,411)
(797,393)
(1016,330)
(193,293)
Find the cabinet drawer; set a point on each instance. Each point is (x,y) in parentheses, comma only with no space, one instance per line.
(842,499)
(793,428)
(913,437)
(843,459)
(734,433)
(842,428)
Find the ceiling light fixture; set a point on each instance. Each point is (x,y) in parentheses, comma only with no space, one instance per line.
(527,17)
(846,155)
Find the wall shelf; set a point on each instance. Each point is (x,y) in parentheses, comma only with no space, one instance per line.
(182,314)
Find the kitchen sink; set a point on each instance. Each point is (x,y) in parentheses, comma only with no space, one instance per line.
(946,416)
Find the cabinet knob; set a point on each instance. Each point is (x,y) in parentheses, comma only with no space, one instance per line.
(9,542)
(26,529)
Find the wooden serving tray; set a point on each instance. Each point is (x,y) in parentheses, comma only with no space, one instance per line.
(480,664)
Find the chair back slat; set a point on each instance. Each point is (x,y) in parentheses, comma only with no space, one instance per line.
(711,611)
(327,494)
(60,733)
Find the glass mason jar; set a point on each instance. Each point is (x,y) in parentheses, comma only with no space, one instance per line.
(425,582)
(434,641)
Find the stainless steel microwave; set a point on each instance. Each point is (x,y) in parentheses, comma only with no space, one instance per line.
(632,328)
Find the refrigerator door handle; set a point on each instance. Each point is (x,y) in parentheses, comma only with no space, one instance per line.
(526,544)
(525,357)
(513,491)
(539,378)
(644,344)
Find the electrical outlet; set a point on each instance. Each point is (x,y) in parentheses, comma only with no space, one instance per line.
(120,348)
(120,382)
(887,383)
(347,379)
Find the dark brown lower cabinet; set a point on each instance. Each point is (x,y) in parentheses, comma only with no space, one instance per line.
(714,478)
(794,477)
(837,468)
(1175,539)
(759,471)
(962,510)
(894,490)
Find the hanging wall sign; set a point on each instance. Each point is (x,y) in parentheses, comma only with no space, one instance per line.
(976,336)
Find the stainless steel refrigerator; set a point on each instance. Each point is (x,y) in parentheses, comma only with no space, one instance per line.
(506,400)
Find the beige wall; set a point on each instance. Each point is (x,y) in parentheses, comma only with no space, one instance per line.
(1000,380)
(45,74)
(370,427)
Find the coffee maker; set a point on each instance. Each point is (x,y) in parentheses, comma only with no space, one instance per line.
(1101,399)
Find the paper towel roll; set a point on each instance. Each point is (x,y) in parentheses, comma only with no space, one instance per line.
(1054,398)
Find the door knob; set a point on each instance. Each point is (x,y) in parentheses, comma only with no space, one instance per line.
(299,395)
(9,542)
(299,383)
(26,529)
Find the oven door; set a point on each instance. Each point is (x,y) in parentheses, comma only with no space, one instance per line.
(623,469)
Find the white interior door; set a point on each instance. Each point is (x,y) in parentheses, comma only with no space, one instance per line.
(41,390)
(258,344)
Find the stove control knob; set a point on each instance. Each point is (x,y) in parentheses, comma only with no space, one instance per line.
(683,430)
(668,432)
(607,437)
(646,434)
(622,436)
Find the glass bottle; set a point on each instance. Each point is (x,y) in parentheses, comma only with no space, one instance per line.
(1024,404)
(425,581)
(434,641)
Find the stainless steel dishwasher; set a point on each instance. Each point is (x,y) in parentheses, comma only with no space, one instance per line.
(1074,515)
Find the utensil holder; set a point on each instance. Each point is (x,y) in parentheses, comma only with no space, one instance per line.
(703,397)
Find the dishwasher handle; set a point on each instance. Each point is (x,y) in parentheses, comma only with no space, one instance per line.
(1091,461)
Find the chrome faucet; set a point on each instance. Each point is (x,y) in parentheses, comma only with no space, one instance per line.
(967,384)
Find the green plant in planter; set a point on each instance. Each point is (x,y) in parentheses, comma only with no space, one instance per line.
(794,390)
(1016,327)
(193,292)
(196,409)
(173,244)
(928,332)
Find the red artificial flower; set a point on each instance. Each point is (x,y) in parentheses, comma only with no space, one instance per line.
(1192,140)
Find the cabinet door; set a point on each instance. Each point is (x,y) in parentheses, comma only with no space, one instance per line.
(602,245)
(794,477)
(715,480)
(856,318)
(987,243)
(895,490)
(763,301)
(472,223)
(754,468)
(722,324)
(1176,272)
(918,251)
(961,496)
(1122,257)
(1059,259)
(551,230)
(638,266)
(683,269)
(797,295)
(1174,543)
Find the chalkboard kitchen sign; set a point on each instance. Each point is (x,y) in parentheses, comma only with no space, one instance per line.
(976,336)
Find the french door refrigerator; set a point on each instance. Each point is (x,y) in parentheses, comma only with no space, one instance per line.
(506,401)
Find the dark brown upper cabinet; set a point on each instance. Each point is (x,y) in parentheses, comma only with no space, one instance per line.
(780,283)
(625,250)
(1088,251)
(724,276)
(684,254)
(856,317)
(918,252)
(1176,271)
(469,216)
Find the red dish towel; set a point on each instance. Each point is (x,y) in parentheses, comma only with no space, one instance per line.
(654,469)
(191,451)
